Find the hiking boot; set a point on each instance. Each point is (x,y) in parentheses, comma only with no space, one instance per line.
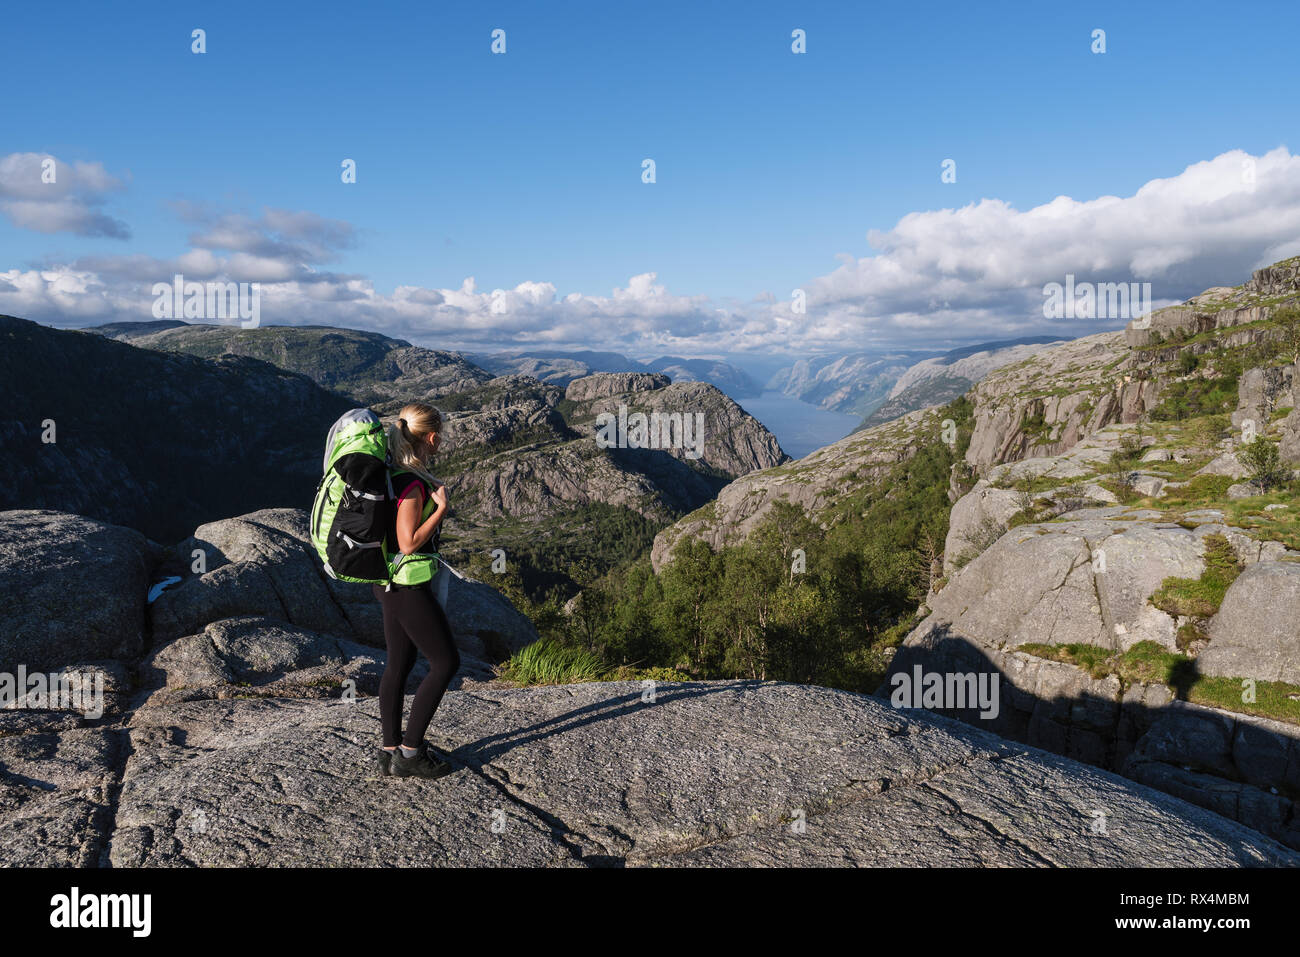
(421,765)
(386,761)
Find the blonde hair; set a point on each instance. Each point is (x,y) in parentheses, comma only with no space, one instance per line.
(416,419)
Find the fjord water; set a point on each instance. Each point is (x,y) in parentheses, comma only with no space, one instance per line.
(799,427)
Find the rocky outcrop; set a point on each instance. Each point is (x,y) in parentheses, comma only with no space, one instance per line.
(546,479)
(1085,578)
(1261,391)
(1044,405)
(943,378)
(605,384)
(1268,290)
(1244,767)
(254,620)
(728,440)
(510,422)
(702,774)
(1080,572)
(262,565)
(255,656)
(814,482)
(72,589)
(1264,392)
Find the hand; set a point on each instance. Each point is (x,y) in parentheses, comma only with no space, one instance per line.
(440,495)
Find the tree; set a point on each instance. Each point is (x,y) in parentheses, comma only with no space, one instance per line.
(1262,460)
(1289,322)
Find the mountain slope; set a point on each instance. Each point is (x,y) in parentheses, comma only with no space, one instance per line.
(160,442)
(370,367)
(855,383)
(560,368)
(943,378)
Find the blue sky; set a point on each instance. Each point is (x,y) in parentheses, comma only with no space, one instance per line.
(525,168)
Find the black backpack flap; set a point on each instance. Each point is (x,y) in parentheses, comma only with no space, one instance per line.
(363,472)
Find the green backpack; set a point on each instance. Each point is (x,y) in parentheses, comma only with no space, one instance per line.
(351,514)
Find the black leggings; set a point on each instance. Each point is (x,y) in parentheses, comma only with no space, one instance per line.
(413,619)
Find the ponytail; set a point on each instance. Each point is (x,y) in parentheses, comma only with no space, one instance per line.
(414,419)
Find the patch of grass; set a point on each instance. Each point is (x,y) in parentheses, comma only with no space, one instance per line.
(1273,699)
(547,662)
(1121,488)
(1201,597)
(1188,633)
(1091,658)
(1150,663)
(1200,491)
(1280,525)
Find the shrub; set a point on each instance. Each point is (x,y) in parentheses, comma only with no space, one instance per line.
(1264,464)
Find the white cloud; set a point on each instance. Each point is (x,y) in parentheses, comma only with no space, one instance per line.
(44,194)
(936,276)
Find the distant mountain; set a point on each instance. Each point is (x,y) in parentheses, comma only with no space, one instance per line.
(370,367)
(880,386)
(559,368)
(727,377)
(941,379)
(856,383)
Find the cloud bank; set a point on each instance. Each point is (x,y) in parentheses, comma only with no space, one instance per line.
(936,277)
(39,193)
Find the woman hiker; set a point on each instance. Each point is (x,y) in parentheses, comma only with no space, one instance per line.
(413,619)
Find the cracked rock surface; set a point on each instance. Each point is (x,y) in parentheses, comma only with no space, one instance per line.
(710,773)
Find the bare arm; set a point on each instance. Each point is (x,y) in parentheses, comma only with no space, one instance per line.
(411,536)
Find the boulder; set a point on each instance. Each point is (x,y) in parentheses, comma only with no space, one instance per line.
(72,589)
(613,383)
(1255,633)
(1227,464)
(697,774)
(1150,486)
(1244,490)
(254,656)
(262,565)
(981,513)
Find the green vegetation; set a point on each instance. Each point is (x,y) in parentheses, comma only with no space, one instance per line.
(561,553)
(1187,362)
(546,662)
(1264,463)
(1190,398)
(1201,597)
(795,601)
(1093,659)
(1150,663)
